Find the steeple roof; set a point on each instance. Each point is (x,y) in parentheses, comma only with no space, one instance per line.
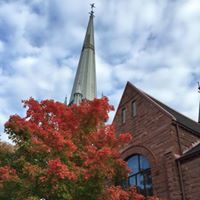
(85,79)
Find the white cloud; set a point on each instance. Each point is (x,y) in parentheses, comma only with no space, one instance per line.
(154,44)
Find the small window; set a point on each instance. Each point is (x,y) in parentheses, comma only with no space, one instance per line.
(123,115)
(133,107)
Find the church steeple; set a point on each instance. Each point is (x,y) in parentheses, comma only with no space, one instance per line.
(85,80)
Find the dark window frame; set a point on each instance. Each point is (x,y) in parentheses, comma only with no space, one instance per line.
(123,115)
(133,108)
(144,173)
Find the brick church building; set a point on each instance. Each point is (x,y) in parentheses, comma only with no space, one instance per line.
(164,154)
(165,151)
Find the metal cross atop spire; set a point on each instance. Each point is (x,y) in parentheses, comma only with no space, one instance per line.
(92,9)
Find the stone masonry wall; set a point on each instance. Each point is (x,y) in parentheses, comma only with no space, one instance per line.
(191,178)
(187,139)
(153,136)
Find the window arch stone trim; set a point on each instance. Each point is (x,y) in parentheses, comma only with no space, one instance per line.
(139,149)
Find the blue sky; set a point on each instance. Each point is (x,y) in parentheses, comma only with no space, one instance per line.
(155,44)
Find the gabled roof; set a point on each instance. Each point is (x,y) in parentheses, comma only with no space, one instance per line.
(195,151)
(175,115)
(186,122)
(180,118)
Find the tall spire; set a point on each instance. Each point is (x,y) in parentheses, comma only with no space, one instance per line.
(85,80)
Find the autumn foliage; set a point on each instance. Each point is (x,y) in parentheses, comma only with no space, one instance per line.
(64,153)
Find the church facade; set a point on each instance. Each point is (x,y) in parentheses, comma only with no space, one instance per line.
(164,154)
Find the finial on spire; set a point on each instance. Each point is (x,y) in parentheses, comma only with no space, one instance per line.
(92,5)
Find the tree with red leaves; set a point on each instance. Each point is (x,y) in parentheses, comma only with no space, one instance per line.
(65,153)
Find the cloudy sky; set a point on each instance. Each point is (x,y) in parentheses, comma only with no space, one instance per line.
(155,44)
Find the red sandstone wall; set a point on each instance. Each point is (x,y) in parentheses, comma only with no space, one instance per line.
(191,178)
(154,136)
(187,139)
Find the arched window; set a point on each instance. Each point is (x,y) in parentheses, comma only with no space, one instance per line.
(140,176)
